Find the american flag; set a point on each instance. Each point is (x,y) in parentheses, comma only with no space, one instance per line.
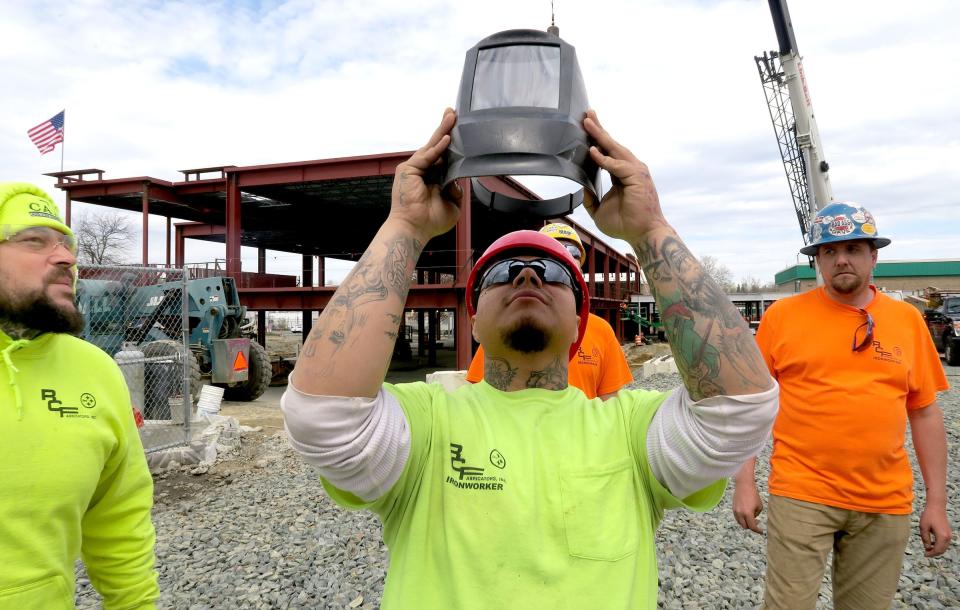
(48,134)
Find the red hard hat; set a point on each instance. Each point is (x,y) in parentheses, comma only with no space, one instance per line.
(532,240)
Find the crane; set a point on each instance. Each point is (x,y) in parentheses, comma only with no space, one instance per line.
(788,100)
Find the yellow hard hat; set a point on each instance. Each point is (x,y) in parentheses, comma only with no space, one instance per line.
(561,232)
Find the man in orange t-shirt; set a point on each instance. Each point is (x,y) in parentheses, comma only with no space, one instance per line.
(853,366)
(599,368)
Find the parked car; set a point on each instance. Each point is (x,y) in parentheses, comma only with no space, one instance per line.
(944,325)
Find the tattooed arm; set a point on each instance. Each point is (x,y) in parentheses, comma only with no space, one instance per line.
(348,351)
(712,344)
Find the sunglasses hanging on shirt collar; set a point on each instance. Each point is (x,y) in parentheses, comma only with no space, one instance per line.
(519,112)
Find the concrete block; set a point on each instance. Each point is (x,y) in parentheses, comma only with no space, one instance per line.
(450,380)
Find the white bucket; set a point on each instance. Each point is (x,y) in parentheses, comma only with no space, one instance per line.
(209,403)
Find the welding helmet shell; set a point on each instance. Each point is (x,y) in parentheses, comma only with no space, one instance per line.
(519,112)
(842,221)
(532,241)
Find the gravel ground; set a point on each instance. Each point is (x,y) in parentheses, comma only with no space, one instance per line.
(257,531)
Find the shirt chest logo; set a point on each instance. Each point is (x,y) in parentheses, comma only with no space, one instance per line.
(467,475)
(82,409)
(893,355)
(591,359)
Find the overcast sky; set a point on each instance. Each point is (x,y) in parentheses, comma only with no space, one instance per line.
(154,87)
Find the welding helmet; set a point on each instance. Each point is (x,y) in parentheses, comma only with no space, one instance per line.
(520,111)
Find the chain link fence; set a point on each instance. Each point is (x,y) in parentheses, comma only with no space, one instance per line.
(139,315)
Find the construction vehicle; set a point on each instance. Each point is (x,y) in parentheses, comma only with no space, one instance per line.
(943,322)
(649,328)
(788,100)
(130,312)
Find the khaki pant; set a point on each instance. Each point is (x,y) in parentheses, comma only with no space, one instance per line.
(867,555)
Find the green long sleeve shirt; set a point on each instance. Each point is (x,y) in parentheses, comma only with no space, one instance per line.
(73,479)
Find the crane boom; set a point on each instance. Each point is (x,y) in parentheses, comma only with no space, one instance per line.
(794,124)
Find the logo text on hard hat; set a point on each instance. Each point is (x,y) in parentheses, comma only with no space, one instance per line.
(840,226)
(39,206)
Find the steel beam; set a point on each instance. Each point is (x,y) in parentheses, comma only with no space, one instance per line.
(233,227)
(463,337)
(145,202)
(429,296)
(319,170)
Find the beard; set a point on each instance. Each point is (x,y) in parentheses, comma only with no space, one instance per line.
(847,283)
(526,337)
(39,313)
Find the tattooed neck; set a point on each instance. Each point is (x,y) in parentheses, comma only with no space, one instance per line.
(499,373)
(17,331)
(553,377)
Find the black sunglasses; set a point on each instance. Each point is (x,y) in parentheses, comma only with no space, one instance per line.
(506,271)
(867,338)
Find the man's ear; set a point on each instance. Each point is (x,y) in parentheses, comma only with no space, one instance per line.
(473,328)
(576,327)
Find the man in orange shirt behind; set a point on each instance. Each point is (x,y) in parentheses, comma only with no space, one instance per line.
(854,366)
(599,368)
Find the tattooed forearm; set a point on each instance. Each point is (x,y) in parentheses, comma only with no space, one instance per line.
(712,346)
(393,334)
(402,254)
(655,269)
(553,377)
(498,372)
(371,280)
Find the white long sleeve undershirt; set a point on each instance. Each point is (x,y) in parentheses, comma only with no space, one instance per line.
(361,445)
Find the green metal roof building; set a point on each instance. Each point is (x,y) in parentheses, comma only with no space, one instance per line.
(911,277)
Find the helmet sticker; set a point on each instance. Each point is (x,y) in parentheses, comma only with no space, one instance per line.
(868,229)
(859,216)
(840,226)
(817,232)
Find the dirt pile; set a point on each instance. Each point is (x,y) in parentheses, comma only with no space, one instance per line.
(638,354)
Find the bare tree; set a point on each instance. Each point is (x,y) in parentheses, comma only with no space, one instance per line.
(102,238)
(752,284)
(718,271)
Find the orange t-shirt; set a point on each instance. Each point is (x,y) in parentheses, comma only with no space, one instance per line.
(839,436)
(598,368)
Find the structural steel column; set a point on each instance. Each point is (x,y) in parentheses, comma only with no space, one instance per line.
(168,241)
(592,270)
(178,248)
(66,207)
(262,328)
(145,201)
(262,314)
(434,335)
(321,275)
(607,288)
(307,314)
(421,336)
(233,227)
(464,258)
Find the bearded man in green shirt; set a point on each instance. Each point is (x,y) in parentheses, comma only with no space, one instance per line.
(73,475)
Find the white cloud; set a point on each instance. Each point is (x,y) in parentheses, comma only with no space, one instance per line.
(154,87)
